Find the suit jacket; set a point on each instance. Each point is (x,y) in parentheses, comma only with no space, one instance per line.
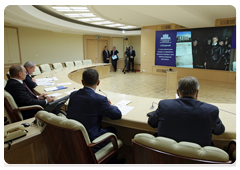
(187,119)
(115,53)
(133,53)
(28,81)
(105,56)
(88,108)
(23,97)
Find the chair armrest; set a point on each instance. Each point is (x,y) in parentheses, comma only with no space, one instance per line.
(231,150)
(29,107)
(103,138)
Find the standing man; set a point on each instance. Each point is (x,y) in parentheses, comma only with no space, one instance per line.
(131,59)
(114,57)
(106,55)
(186,118)
(29,81)
(22,95)
(89,107)
(216,54)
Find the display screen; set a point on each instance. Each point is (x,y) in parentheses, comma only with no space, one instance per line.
(204,48)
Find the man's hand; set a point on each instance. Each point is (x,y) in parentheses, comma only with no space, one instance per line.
(42,96)
(107,58)
(131,57)
(34,80)
(50,99)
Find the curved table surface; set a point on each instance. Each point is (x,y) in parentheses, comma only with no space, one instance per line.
(136,118)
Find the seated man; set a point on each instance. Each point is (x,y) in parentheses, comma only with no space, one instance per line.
(88,107)
(29,81)
(186,118)
(22,95)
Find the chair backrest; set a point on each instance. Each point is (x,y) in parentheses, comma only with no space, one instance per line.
(10,105)
(57,65)
(87,62)
(69,64)
(78,63)
(37,71)
(66,139)
(8,75)
(167,151)
(45,67)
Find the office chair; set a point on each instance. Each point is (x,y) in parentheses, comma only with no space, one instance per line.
(67,141)
(45,67)
(57,65)
(233,151)
(13,111)
(87,62)
(148,149)
(78,63)
(36,72)
(69,64)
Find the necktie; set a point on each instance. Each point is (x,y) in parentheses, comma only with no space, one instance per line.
(30,90)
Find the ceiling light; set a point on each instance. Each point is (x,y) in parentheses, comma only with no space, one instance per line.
(123,31)
(91,19)
(60,8)
(85,19)
(73,15)
(87,15)
(67,10)
(101,23)
(80,10)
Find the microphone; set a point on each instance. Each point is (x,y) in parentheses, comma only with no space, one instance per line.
(103,92)
(152,107)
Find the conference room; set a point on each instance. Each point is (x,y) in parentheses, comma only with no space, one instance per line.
(141,58)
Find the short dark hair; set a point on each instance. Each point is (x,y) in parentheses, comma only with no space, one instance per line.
(90,77)
(14,70)
(188,86)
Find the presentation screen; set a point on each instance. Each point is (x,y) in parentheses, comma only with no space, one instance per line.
(203,48)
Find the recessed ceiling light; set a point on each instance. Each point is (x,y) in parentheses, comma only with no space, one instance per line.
(87,14)
(60,8)
(130,26)
(73,15)
(91,19)
(80,10)
(100,23)
(115,25)
(85,19)
(123,31)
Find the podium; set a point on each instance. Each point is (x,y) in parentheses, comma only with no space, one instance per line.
(171,82)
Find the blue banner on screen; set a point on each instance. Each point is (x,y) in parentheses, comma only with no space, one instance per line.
(165,48)
(234,38)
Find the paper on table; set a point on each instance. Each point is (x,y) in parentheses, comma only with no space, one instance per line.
(123,103)
(125,109)
(61,84)
(55,94)
(51,89)
(69,92)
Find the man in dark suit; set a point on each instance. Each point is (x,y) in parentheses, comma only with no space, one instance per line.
(22,95)
(88,107)
(29,81)
(114,53)
(106,55)
(131,58)
(186,118)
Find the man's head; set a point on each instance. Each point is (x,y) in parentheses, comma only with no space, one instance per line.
(114,48)
(17,71)
(195,43)
(188,86)
(30,67)
(220,42)
(214,39)
(90,78)
(131,47)
(105,47)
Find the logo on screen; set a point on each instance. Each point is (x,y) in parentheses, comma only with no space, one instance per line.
(165,38)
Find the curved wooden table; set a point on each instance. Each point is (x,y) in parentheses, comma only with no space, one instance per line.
(134,122)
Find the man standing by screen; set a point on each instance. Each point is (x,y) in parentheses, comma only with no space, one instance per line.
(106,55)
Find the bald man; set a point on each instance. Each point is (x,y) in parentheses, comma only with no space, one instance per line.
(22,95)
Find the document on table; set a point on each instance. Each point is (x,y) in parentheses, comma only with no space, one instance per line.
(51,89)
(62,84)
(46,81)
(125,109)
(122,106)
(55,94)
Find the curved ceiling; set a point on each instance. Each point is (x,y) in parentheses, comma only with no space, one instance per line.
(190,16)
